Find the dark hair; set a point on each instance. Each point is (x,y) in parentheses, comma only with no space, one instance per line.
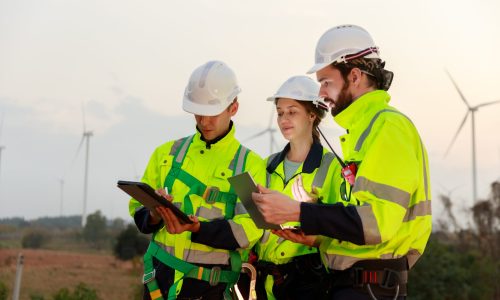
(370,65)
(319,113)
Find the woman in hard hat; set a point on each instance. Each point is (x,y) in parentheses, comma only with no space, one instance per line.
(304,170)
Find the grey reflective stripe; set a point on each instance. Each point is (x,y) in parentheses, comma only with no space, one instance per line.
(365,133)
(421,209)
(183,151)
(200,257)
(209,258)
(265,236)
(178,204)
(268,176)
(210,213)
(382,191)
(176,146)
(413,255)
(339,262)
(239,234)
(239,209)
(370,225)
(138,208)
(319,178)
(240,160)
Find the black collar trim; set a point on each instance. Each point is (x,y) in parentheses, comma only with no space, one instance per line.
(313,159)
(210,143)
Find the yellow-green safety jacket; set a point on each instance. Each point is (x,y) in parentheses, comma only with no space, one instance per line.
(389,211)
(201,188)
(320,170)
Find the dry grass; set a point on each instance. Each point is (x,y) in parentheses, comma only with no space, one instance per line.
(47,271)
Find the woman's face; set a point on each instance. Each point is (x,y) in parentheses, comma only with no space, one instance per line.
(293,119)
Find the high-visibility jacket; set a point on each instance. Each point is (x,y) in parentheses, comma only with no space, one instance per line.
(319,170)
(224,226)
(391,217)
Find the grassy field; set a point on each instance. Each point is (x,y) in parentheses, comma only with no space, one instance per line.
(47,271)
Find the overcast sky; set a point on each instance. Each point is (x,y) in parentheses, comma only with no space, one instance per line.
(128,62)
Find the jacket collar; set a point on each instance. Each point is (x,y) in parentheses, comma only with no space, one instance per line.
(364,107)
(223,139)
(313,159)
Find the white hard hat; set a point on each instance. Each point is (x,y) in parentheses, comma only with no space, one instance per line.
(212,88)
(301,88)
(341,44)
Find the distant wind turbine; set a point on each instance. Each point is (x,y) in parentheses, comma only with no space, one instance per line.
(470,110)
(270,130)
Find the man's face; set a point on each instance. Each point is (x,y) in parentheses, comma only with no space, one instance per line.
(212,127)
(334,89)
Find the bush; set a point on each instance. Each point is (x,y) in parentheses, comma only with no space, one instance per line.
(35,239)
(4,292)
(81,292)
(130,243)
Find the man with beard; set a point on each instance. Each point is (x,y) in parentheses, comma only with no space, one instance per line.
(380,222)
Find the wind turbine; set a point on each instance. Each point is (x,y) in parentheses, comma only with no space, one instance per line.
(470,110)
(270,130)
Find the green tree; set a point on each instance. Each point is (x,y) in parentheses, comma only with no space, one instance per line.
(130,243)
(81,292)
(95,231)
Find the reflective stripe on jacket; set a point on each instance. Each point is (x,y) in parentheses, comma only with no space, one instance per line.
(392,187)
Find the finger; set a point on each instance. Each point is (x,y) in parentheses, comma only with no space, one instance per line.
(295,191)
(193,218)
(263,190)
(174,222)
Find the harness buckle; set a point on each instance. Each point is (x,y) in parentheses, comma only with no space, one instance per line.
(214,278)
(391,279)
(211,194)
(358,277)
(148,277)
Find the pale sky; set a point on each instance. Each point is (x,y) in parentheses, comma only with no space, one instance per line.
(129,62)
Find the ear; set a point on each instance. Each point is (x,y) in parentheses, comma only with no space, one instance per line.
(234,108)
(356,76)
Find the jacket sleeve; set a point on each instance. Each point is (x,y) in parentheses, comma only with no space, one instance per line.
(386,178)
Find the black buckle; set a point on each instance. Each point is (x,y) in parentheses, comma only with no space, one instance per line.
(358,277)
(211,194)
(387,283)
(214,277)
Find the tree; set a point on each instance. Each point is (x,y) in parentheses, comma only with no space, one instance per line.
(35,239)
(95,231)
(130,243)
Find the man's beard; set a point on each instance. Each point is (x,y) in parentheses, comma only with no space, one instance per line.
(344,99)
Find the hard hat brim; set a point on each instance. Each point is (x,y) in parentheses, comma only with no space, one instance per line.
(203,110)
(317,67)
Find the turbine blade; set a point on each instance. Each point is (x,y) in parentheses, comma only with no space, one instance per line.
(482,104)
(456,134)
(75,156)
(271,118)
(458,89)
(256,135)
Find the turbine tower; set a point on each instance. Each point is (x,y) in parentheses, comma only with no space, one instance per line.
(270,130)
(470,110)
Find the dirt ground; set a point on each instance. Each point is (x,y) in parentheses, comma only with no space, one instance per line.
(47,271)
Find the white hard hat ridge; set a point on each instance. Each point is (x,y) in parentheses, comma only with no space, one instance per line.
(301,88)
(340,42)
(212,88)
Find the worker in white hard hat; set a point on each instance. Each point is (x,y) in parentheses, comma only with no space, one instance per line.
(382,221)
(200,260)
(304,170)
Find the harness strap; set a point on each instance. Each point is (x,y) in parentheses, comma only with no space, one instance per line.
(213,275)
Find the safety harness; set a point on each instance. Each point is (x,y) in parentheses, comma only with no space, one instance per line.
(211,195)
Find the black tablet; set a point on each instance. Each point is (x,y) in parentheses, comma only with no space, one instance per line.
(148,197)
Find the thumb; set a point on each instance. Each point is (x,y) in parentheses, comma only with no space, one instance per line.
(263,190)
